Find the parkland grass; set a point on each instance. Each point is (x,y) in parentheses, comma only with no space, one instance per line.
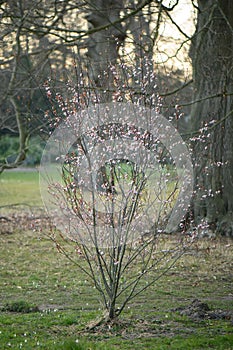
(20,187)
(46,303)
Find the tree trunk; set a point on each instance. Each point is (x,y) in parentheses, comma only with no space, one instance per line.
(212,59)
(103,45)
(102,53)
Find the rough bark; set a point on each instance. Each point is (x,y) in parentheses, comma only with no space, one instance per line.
(103,45)
(212,58)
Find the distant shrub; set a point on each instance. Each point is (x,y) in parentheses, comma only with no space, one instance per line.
(9,146)
(36,147)
(20,306)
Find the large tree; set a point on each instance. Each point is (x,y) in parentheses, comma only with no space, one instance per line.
(212,115)
(109,31)
(212,106)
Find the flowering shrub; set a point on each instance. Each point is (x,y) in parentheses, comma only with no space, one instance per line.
(108,185)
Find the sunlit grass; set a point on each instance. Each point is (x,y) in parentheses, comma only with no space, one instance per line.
(20,187)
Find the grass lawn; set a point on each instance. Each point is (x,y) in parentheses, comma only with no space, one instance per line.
(46,303)
(20,187)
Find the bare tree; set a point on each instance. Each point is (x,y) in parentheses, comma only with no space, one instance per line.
(29,40)
(47,33)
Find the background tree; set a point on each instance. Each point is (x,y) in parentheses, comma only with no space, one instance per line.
(30,48)
(52,34)
(212,114)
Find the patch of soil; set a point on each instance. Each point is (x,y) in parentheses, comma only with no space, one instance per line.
(138,329)
(198,310)
(20,218)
